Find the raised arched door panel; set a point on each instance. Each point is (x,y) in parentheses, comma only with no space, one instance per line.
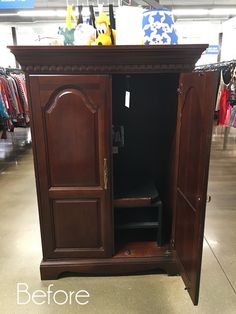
(71,116)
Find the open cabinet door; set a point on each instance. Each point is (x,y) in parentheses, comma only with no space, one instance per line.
(195,119)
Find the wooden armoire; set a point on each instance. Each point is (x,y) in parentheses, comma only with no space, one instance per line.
(107,121)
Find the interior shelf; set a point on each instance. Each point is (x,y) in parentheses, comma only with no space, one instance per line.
(138,210)
(135,192)
(132,202)
(137,225)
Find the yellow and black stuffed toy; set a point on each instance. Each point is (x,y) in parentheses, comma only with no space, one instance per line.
(106,35)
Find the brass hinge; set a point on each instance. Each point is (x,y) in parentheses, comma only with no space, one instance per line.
(105,173)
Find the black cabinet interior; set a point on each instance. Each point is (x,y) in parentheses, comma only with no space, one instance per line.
(141,161)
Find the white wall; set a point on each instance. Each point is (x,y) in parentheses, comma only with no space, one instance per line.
(6,58)
(27,34)
(200,32)
(229,40)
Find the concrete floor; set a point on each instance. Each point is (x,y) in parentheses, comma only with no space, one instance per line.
(20,249)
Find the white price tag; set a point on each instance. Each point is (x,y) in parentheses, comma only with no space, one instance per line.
(127,99)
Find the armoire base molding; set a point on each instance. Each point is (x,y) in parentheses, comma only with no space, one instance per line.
(52,269)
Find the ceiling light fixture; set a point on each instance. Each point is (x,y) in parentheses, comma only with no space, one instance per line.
(190,12)
(8,14)
(226,11)
(41,13)
(205,12)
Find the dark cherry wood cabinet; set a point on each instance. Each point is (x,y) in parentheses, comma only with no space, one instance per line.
(121,188)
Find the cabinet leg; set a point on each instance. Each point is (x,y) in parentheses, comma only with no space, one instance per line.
(172,271)
(51,273)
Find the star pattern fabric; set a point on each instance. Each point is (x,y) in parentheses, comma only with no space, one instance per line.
(148,32)
(174,38)
(160,31)
(168,19)
(158,27)
(158,17)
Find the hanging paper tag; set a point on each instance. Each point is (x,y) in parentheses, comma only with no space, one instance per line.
(127,99)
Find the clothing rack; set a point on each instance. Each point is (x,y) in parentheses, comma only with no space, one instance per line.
(216,66)
(2,70)
(7,71)
(14,70)
(227,77)
(14,111)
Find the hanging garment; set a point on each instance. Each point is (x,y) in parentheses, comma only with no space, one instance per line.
(3,111)
(22,90)
(13,96)
(21,87)
(223,106)
(228,114)
(232,121)
(220,89)
(222,96)
(5,95)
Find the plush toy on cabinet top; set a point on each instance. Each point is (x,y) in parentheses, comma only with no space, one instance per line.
(85,34)
(71,21)
(106,35)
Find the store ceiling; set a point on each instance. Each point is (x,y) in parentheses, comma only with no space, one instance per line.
(15,15)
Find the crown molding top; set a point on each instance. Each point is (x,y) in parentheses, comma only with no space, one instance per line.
(107,59)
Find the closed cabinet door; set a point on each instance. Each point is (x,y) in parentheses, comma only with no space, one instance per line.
(195,120)
(71,123)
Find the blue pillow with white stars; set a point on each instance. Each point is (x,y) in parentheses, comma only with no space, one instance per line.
(158,27)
